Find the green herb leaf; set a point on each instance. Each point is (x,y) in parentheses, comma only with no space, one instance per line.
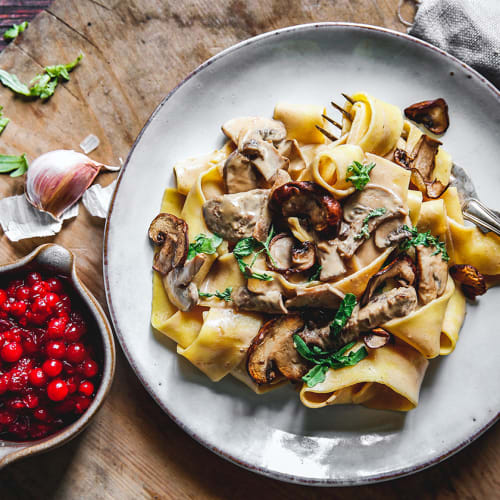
(3,120)
(364,233)
(62,70)
(16,165)
(204,244)
(343,314)
(225,295)
(12,82)
(244,247)
(14,31)
(258,276)
(426,239)
(360,174)
(315,375)
(316,271)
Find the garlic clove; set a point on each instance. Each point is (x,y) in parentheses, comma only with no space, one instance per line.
(57,180)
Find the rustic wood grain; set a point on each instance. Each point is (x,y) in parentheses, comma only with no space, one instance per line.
(135,52)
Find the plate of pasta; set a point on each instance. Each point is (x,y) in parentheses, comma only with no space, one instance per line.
(287,265)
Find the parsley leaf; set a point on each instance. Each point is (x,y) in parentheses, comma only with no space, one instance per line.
(426,239)
(3,120)
(360,174)
(204,244)
(251,246)
(364,233)
(343,314)
(14,31)
(315,274)
(326,359)
(12,82)
(16,165)
(225,295)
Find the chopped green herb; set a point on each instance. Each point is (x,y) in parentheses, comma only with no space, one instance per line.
(16,165)
(364,233)
(14,31)
(251,246)
(204,244)
(316,271)
(326,359)
(343,314)
(426,239)
(44,84)
(225,295)
(360,174)
(3,120)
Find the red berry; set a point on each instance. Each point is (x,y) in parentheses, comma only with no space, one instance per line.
(37,377)
(42,414)
(52,367)
(76,353)
(6,417)
(12,335)
(23,293)
(16,405)
(37,290)
(56,327)
(89,368)
(56,349)
(31,401)
(12,288)
(82,403)
(39,430)
(29,345)
(74,331)
(11,352)
(3,296)
(52,299)
(55,285)
(18,308)
(19,429)
(33,278)
(4,383)
(72,383)
(57,390)
(86,388)
(18,380)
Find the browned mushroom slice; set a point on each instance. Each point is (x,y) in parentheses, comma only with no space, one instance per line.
(171,233)
(471,280)
(433,115)
(307,199)
(401,270)
(332,265)
(395,303)
(391,233)
(356,214)
(432,273)
(179,286)
(290,256)
(377,338)
(272,354)
(239,174)
(264,156)
(270,302)
(324,296)
(236,216)
(267,128)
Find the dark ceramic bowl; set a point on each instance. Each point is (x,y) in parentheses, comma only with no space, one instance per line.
(54,259)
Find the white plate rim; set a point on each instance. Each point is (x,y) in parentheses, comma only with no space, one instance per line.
(290,478)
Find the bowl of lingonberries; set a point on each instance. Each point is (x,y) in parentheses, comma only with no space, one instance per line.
(57,355)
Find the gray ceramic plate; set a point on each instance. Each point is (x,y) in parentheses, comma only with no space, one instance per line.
(273,434)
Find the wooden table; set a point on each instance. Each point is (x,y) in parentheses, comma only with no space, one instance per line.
(135,52)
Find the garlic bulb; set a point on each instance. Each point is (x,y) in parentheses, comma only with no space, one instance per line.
(57,180)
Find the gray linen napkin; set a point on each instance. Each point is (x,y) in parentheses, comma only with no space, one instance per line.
(468,29)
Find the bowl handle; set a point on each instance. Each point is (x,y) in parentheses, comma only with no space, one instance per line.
(8,453)
(55,258)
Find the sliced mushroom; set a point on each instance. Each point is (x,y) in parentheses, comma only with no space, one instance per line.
(401,270)
(270,302)
(179,286)
(431,114)
(263,155)
(332,265)
(290,256)
(432,273)
(395,303)
(267,128)
(308,199)
(236,216)
(391,233)
(356,210)
(239,174)
(324,296)
(272,354)
(377,338)
(317,332)
(471,280)
(171,233)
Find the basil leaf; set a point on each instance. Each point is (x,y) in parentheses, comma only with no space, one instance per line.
(315,375)
(14,31)
(364,233)
(303,349)
(426,239)
(343,314)
(244,247)
(360,174)
(204,244)
(12,82)
(17,165)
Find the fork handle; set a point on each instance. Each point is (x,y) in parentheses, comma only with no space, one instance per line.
(478,213)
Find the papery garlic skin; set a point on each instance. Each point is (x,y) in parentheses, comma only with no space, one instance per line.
(57,180)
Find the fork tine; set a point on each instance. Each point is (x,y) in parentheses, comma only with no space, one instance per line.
(348,98)
(342,110)
(326,133)
(332,121)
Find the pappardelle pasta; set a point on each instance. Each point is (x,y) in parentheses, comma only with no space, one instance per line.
(340,264)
